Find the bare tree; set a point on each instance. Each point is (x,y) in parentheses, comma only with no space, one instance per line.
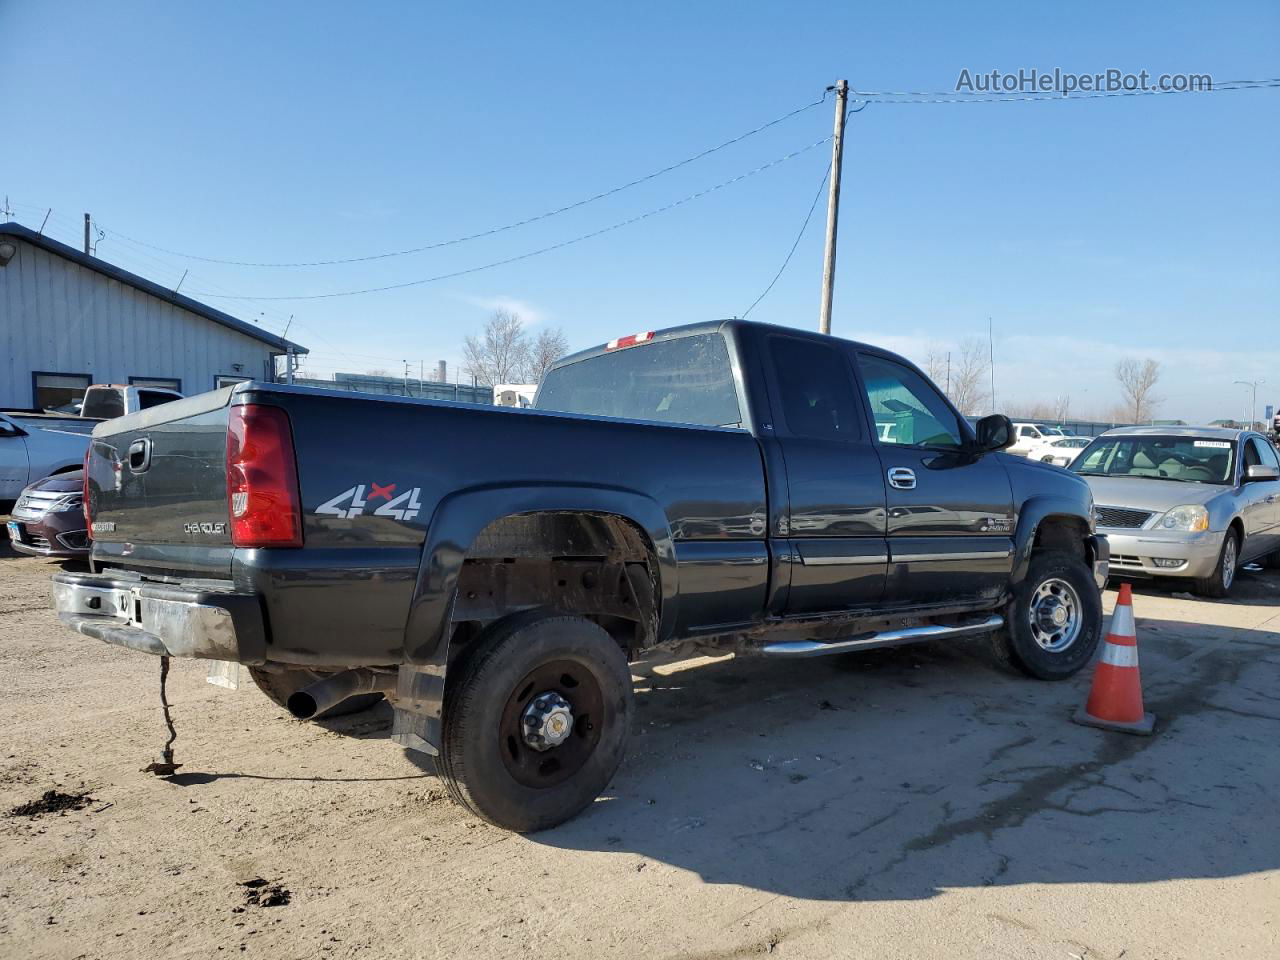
(969,375)
(548,347)
(501,353)
(1137,383)
(935,364)
(1062,406)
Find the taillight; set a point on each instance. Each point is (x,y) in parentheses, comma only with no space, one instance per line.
(262,478)
(84,493)
(629,341)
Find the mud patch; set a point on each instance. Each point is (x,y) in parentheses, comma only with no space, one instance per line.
(261,893)
(53,801)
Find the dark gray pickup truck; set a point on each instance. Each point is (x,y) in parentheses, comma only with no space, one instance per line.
(491,571)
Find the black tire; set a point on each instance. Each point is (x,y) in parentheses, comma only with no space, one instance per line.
(1021,645)
(488,766)
(1219,583)
(280,685)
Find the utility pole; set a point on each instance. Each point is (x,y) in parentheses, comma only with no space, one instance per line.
(833,207)
(991,360)
(1253,404)
(86,234)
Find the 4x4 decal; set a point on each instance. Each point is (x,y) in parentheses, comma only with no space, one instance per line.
(402,507)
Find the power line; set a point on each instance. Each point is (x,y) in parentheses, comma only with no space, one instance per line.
(533,253)
(790,253)
(955,96)
(499,229)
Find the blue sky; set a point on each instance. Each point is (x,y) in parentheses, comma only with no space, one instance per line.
(1089,230)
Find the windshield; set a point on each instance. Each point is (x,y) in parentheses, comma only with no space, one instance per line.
(1186,459)
(681,380)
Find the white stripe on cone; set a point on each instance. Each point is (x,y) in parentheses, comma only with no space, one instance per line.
(1122,621)
(1119,655)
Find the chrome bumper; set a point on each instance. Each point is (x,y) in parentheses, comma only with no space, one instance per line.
(174,620)
(1134,553)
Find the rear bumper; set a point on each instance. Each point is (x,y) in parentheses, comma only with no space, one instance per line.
(1134,554)
(162,619)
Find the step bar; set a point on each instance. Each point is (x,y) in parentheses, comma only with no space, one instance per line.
(886,638)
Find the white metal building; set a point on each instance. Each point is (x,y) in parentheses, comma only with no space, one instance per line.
(68,319)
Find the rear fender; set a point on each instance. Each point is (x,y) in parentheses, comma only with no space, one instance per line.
(459,520)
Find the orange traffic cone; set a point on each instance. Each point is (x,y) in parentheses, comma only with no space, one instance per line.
(1115,702)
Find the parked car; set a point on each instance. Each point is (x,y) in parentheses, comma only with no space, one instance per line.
(1191,502)
(102,401)
(1029,436)
(726,485)
(48,518)
(29,452)
(1060,451)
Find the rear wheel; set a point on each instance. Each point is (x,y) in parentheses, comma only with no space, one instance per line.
(279,685)
(536,720)
(1054,622)
(1219,583)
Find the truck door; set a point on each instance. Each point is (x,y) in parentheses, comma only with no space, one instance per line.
(950,513)
(834,523)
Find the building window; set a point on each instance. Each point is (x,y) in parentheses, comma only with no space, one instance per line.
(226,380)
(59,392)
(169,383)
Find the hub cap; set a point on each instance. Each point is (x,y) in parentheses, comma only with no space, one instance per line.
(1055,615)
(548,721)
(551,723)
(1229,562)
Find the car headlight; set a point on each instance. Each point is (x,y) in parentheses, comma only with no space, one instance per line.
(68,502)
(1192,517)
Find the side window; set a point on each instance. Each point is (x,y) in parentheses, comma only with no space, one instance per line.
(1027,432)
(1252,456)
(153,398)
(1268,454)
(816,384)
(906,401)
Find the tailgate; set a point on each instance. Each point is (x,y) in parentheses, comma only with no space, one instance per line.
(158,488)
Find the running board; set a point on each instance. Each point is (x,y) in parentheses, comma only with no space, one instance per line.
(887,638)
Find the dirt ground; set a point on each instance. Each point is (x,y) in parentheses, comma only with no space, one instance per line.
(910,803)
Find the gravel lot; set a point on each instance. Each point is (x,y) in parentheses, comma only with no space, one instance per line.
(907,803)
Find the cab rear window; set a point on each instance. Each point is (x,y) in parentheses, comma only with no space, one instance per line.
(681,380)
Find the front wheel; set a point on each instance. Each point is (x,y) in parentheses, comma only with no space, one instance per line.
(1219,583)
(536,721)
(1054,622)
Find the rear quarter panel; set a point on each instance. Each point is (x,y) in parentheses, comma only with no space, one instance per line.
(374,474)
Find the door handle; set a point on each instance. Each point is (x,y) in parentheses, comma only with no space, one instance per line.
(140,455)
(902,478)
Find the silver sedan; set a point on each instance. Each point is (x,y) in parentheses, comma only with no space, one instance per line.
(1192,502)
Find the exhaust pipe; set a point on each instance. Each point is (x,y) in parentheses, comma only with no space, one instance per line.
(328,693)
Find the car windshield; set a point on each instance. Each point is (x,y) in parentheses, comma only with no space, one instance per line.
(681,380)
(1185,459)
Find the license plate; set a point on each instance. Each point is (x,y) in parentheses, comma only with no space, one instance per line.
(15,532)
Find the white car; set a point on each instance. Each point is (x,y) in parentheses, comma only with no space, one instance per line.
(1061,451)
(30,451)
(1028,436)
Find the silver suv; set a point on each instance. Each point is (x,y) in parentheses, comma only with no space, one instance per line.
(1193,502)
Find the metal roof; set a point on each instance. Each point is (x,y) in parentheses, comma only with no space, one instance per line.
(147,286)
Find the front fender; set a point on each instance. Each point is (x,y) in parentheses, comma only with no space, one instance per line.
(1035,510)
(459,520)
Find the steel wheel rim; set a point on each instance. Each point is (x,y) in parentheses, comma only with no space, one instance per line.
(540,769)
(1229,561)
(1056,615)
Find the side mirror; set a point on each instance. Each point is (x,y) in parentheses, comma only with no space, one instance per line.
(994,433)
(1260,471)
